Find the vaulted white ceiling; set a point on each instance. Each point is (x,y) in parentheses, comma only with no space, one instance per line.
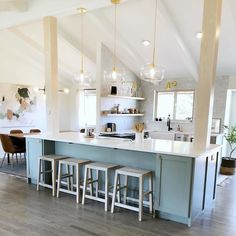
(178,49)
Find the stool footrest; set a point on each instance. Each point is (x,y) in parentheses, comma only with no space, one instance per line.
(127,206)
(95,198)
(66,176)
(92,181)
(147,193)
(67,191)
(46,171)
(45,185)
(122,187)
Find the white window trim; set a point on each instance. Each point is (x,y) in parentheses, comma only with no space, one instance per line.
(155,108)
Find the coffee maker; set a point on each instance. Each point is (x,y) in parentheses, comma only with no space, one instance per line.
(111,127)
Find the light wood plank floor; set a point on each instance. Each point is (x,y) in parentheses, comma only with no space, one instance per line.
(24,211)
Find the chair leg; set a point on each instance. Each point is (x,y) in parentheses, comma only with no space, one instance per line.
(59,180)
(91,178)
(85,184)
(118,192)
(68,178)
(140,213)
(3,159)
(97,173)
(114,193)
(39,173)
(151,194)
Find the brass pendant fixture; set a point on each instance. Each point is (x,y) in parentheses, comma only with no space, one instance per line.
(151,72)
(115,75)
(83,76)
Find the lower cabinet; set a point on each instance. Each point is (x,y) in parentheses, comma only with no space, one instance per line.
(174,184)
(34,150)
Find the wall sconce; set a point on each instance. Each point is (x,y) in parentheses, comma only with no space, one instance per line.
(65,90)
(171,85)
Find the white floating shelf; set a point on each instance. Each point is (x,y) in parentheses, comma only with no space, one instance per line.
(125,115)
(125,97)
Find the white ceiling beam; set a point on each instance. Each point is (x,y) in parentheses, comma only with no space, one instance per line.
(74,44)
(121,43)
(40,50)
(188,57)
(13,5)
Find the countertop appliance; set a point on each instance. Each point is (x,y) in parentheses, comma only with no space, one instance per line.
(123,135)
(111,127)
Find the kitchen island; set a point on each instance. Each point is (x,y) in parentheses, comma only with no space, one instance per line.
(184,176)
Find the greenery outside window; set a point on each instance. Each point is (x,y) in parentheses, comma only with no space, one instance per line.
(177,104)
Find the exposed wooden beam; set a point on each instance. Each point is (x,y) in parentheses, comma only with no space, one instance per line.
(13,5)
(204,95)
(188,57)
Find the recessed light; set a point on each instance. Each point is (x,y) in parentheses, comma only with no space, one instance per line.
(199,35)
(146,43)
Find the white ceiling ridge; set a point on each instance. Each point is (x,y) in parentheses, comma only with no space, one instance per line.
(39,49)
(187,55)
(121,42)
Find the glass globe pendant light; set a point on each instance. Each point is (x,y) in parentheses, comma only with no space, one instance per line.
(151,72)
(83,77)
(115,75)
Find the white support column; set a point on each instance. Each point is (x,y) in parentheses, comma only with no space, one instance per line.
(51,73)
(207,72)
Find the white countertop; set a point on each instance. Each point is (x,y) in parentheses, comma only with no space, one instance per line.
(168,147)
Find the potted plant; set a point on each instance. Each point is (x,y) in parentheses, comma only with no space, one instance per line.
(228,164)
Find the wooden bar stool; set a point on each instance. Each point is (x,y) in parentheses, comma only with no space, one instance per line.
(140,174)
(70,164)
(53,159)
(98,167)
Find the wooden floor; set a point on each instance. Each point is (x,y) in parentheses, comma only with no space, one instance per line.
(24,211)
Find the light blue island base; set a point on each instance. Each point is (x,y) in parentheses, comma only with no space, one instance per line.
(183,186)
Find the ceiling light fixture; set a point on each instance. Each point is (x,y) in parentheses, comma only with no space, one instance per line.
(83,75)
(151,72)
(199,35)
(115,75)
(146,43)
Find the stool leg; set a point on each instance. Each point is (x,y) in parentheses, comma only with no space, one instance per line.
(118,192)
(72,178)
(140,199)
(68,178)
(97,173)
(125,189)
(151,194)
(85,184)
(77,184)
(106,190)
(59,180)
(53,178)
(39,173)
(91,178)
(114,192)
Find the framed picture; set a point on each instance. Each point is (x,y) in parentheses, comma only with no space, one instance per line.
(216,125)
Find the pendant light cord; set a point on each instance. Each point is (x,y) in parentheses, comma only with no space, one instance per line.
(115,34)
(154,41)
(82,42)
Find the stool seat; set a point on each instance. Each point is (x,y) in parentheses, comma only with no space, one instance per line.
(52,157)
(101,166)
(74,161)
(132,172)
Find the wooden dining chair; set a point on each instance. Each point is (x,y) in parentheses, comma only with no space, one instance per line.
(16,131)
(35,131)
(10,149)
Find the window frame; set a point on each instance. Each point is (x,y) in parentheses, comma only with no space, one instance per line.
(155,103)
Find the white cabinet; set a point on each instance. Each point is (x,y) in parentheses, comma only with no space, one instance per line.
(162,135)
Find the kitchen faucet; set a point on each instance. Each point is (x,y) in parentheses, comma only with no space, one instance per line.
(168,123)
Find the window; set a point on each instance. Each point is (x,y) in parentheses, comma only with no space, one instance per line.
(87,108)
(178,104)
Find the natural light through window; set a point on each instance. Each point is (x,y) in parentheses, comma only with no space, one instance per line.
(177,104)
